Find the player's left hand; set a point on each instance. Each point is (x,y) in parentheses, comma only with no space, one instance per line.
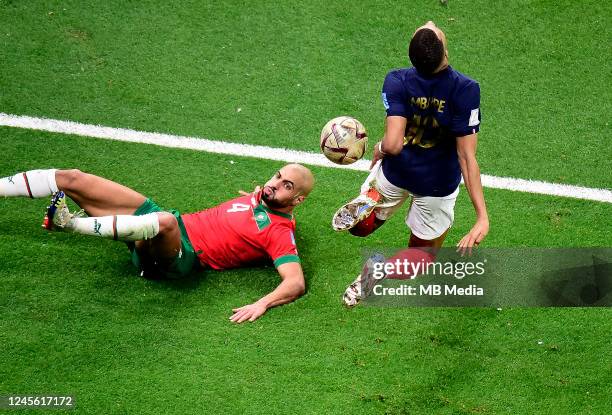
(473,237)
(254,192)
(250,312)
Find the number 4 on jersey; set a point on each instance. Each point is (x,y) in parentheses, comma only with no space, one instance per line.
(238,207)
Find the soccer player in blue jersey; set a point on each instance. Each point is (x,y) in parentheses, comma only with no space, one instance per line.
(431,132)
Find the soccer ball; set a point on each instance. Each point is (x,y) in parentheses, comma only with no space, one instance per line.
(344,140)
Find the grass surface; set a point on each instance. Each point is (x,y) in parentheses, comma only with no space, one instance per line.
(189,69)
(75,318)
(79,321)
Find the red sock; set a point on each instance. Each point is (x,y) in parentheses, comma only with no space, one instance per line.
(366,226)
(406,257)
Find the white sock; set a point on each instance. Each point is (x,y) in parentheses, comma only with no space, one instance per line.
(33,183)
(120,227)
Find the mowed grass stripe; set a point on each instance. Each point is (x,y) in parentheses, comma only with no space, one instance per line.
(278,154)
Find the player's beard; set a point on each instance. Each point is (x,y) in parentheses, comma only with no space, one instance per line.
(273,203)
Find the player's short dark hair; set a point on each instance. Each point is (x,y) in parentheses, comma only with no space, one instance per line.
(426,51)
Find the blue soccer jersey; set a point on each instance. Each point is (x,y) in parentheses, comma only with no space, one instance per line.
(439,108)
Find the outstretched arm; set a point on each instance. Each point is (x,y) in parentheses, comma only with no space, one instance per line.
(393,141)
(466,150)
(292,286)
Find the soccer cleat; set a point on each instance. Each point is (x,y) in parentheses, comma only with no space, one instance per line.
(58,215)
(363,285)
(356,210)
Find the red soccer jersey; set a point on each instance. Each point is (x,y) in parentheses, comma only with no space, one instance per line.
(239,232)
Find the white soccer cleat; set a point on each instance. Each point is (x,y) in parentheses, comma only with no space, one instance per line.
(58,215)
(356,210)
(352,295)
(363,285)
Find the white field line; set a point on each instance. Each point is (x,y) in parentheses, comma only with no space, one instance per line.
(279,154)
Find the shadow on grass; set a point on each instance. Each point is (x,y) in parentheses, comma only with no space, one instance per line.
(187,283)
(121,268)
(256,278)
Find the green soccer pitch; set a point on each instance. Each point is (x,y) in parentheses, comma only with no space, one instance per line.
(76,320)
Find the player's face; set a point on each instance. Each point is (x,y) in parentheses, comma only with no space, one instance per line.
(283,189)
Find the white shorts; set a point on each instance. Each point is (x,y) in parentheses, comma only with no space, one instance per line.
(428,216)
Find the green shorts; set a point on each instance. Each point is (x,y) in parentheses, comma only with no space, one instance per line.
(184,263)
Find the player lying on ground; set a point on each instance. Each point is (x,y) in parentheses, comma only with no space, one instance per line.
(241,231)
(431,131)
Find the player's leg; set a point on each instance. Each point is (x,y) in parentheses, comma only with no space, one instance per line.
(367,226)
(170,254)
(387,199)
(378,200)
(416,242)
(167,243)
(377,267)
(429,220)
(419,250)
(125,216)
(162,249)
(96,195)
(32,183)
(360,208)
(156,234)
(109,205)
(118,227)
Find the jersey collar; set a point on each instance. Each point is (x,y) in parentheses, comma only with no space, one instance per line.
(440,74)
(276,212)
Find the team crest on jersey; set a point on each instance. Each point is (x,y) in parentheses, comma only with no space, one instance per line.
(261,217)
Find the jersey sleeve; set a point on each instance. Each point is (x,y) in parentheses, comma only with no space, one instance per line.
(466,115)
(280,245)
(393,95)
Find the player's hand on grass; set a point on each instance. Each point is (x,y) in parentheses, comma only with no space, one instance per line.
(473,237)
(376,156)
(250,312)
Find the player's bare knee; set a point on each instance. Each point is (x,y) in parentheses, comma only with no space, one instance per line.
(72,179)
(167,223)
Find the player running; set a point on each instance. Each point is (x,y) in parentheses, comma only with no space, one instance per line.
(431,131)
(241,231)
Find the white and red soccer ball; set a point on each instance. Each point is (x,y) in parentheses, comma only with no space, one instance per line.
(344,140)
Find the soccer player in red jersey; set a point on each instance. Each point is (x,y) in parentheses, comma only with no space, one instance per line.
(242,231)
